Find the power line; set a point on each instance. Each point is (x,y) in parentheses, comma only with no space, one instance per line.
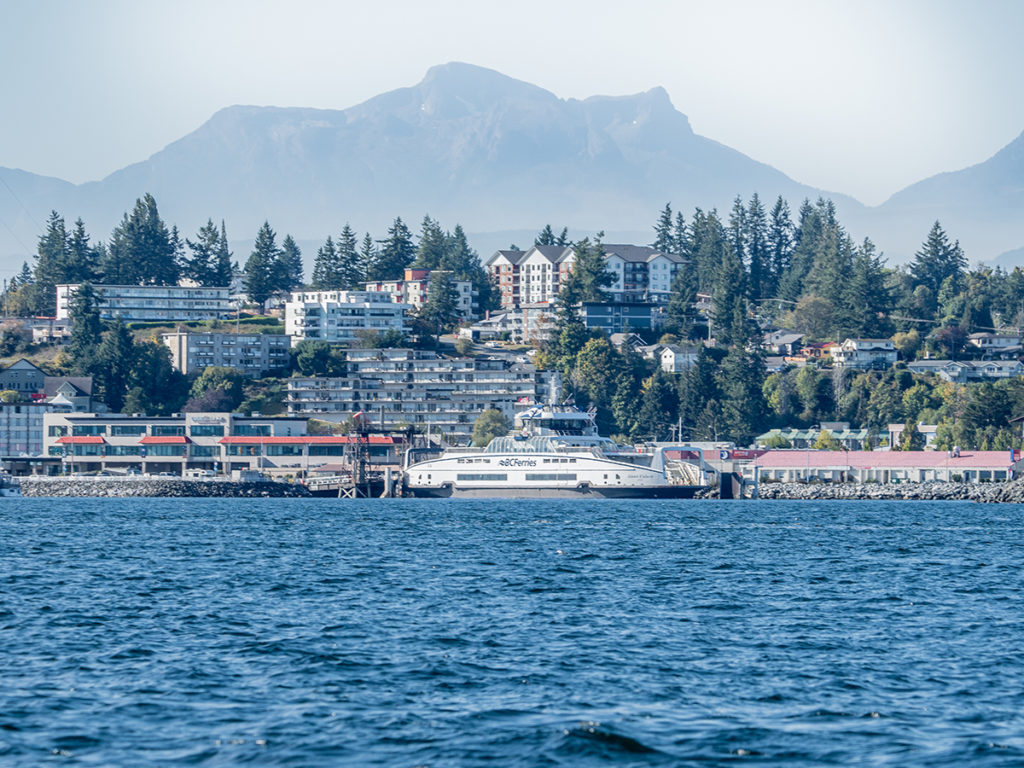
(24,207)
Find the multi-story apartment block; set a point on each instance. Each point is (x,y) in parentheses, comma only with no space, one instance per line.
(171,303)
(254,354)
(21,431)
(543,271)
(503,271)
(221,442)
(414,290)
(340,315)
(642,274)
(404,387)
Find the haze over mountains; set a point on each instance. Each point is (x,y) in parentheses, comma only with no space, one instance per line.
(501,157)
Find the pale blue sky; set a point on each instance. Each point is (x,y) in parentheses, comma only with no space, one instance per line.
(856,97)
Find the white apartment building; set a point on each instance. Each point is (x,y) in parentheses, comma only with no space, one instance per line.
(395,388)
(339,315)
(543,271)
(414,290)
(641,273)
(171,303)
(254,354)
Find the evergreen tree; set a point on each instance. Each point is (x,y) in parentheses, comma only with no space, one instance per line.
(200,263)
(801,258)
(397,252)
(86,329)
(350,272)
(325,268)
(259,274)
(681,312)
(141,250)
(590,275)
(223,271)
(51,256)
(780,245)
(729,302)
(741,382)
(562,241)
(937,260)
(464,264)
(866,295)
(442,306)
(758,254)
(115,360)
(659,406)
(288,272)
(738,234)
(681,237)
(368,258)
(82,263)
(545,237)
(432,245)
(664,239)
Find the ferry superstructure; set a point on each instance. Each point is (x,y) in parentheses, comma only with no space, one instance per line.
(556,452)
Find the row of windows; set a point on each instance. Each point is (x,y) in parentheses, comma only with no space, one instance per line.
(468,477)
(541,476)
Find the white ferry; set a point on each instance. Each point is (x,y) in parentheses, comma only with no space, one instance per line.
(556,452)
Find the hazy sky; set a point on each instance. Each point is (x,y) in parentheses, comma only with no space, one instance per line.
(860,97)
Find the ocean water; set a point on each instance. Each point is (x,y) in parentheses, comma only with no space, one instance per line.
(468,633)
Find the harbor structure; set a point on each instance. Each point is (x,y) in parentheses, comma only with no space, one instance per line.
(802,466)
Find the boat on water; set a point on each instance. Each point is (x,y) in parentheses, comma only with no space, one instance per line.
(556,452)
(9,486)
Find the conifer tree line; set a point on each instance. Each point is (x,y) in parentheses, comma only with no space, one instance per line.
(143,250)
(763,268)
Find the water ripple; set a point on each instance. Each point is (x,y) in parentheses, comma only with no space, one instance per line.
(444,633)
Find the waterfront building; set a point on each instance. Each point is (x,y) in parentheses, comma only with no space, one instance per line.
(397,388)
(254,354)
(163,303)
(88,442)
(339,316)
(414,290)
(801,466)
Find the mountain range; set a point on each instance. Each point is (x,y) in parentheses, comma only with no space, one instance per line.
(500,156)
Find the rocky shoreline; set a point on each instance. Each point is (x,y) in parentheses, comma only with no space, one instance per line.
(153,487)
(986,493)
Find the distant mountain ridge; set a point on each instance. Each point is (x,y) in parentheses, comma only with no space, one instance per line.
(466,145)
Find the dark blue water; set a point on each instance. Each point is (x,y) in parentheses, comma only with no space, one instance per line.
(441,633)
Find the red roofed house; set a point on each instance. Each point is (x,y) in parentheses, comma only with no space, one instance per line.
(799,466)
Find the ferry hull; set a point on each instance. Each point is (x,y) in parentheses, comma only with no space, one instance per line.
(665,492)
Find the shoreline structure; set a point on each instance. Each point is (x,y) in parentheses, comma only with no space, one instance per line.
(1010,492)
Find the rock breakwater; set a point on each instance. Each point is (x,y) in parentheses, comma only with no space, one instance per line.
(990,493)
(162,486)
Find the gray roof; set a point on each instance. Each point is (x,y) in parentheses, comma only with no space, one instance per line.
(552,253)
(513,256)
(83,384)
(639,253)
